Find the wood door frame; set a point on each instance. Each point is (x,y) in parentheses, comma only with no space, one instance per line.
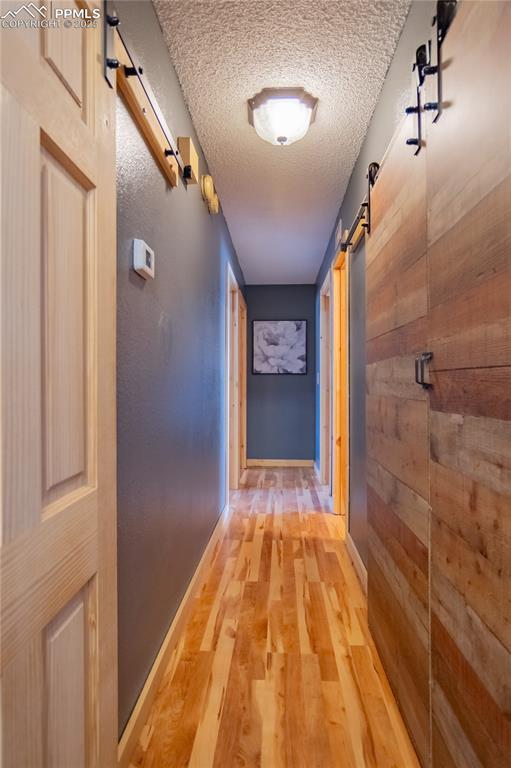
(242,363)
(340,390)
(235,382)
(325,383)
(340,311)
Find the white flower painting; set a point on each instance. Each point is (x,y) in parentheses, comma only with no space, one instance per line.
(279,346)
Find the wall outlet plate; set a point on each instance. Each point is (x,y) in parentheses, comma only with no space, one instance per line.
(143,259)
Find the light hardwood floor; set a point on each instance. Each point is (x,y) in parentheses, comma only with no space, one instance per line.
(276,666)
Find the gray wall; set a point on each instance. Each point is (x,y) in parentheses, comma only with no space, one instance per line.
(280,408)
(394,97)
(357,384)
(170,374)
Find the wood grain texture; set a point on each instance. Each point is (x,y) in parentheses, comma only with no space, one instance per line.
(65,676)
(135,728)
(59,694)
(469,267)
(234,388)
(468,166)
(340,405)
(243,363)
(325,383)
(276,666)
(189,157)
(397,437)
(20,286)
(64,51)
(397,432)
(144,116)
(64,231)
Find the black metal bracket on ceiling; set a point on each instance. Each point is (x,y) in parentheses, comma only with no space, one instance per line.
(111,24)
(363,216)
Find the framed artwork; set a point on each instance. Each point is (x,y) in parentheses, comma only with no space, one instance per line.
(279,347)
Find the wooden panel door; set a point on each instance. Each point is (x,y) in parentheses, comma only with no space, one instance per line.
(469,254)
(58,557)
(397,431)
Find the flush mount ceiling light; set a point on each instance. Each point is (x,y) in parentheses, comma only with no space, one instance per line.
(282,115)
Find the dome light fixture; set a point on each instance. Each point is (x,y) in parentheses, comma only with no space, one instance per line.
(282,116)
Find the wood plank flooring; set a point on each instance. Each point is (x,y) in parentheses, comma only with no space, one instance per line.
(276,667)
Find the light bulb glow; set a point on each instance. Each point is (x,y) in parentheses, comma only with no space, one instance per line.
(282,116)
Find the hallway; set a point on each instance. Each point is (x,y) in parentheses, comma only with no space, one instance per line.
(255,384)
(276,666)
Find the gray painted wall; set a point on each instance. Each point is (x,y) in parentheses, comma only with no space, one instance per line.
(170,362)
(357,384)
(280,408)
(394,97)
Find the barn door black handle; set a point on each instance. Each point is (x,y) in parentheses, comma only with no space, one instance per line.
(420,362)
(417,371)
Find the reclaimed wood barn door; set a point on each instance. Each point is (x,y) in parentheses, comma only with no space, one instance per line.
(397,431)
(58,520)
(469,265)
(439,467)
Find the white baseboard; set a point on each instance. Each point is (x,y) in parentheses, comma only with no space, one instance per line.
(138,719)
(330,499)
(358,564)
(280,462)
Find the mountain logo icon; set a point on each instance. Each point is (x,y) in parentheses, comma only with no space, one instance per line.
(32,9)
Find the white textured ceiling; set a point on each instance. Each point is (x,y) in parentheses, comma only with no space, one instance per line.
(281,202)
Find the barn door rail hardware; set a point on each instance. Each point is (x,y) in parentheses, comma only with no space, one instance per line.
(372,173)
(420,363)
(422,60)
(445,13)
(174,157)
(358,227)
(362,221)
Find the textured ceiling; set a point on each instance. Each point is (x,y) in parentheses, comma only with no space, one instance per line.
(281,202)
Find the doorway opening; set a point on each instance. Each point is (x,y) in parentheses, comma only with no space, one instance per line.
(236,383)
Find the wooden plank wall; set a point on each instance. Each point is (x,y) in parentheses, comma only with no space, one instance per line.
(439,279)
(469,265)
(397,432)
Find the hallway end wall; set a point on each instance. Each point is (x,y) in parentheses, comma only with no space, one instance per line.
(389,111)
(280,408)
(170,373)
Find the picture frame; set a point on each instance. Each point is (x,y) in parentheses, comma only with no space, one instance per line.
(279,347)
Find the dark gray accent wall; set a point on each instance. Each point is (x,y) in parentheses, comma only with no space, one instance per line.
(280,408)
(394,97)
(170,363)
